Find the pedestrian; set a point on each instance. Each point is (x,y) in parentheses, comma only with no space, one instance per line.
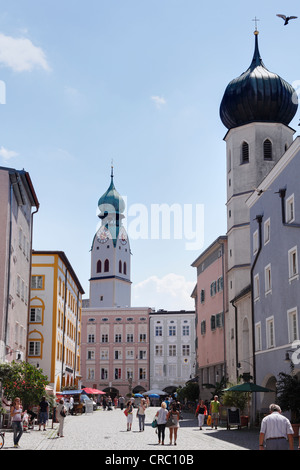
(173,417)
(140,414)
(43,413)
(128,412)
(201,412)
(276,432)
(161,422)
(16,413)
(71,408)
(61,413)
(121,402)
(215,411)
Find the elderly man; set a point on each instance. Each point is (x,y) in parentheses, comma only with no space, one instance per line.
(276,431)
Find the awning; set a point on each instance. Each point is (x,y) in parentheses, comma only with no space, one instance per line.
(70,392)
(92,391)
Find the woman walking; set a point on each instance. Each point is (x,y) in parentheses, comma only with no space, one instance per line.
(141,414)
(16,413)
(161,422)
(129,410)
(61,413)
(173,416)
(201,412)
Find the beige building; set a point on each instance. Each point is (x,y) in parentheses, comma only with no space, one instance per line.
(18,203)
(54,333)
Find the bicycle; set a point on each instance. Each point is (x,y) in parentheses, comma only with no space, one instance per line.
(2,434)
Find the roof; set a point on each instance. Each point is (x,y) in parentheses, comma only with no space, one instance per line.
(62,255)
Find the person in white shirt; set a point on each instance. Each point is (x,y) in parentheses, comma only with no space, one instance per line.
(276,431)
(161,416)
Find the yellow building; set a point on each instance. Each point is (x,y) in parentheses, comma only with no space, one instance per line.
(54,330)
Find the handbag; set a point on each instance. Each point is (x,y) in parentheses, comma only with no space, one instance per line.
(171,421)
(63,413)
(208,422)
(126,412)
(154,423)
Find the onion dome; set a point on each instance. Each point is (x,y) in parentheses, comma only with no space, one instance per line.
(258,95)
(111,202)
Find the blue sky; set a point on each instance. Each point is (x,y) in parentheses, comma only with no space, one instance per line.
(139,82)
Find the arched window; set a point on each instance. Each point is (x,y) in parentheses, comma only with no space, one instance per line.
(106,266)
(267,150)
(99,266)
(125,269)
(245,152)
(120,266)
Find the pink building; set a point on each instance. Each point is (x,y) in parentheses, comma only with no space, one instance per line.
(211,307)
(115,349)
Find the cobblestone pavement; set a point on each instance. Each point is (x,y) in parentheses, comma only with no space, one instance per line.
(106,430)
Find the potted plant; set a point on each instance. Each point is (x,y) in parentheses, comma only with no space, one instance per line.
(288,397)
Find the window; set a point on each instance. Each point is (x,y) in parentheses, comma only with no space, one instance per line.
(267,231)
(219,320)
(142,373)
(293,330)
(290,209)
(106,266)
(35,315)
(125,268)
(203,327)
(142,354)
(104,354)
(118,338)
(120,266)
(172,350)
(129,338)
(213,288)
(293,263)
(143,337)
(256,287)
(158,350)
(185,349)
(245,153)
(158,331)
(213,322)
(104,373)
(255,242)
(185,330)
(268,279)
(99,266)
(258,337)
(129,354)
(34,348)
(91,355)
(118,373)
(37,282)
(104,338)
(91,338)
(118,354)
(202,296)
(267,150)
(172,330)
(270,332)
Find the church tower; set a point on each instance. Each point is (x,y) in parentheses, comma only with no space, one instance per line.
(256,108)
(110,284)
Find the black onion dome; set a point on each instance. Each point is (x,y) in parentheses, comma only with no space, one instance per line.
(258,95)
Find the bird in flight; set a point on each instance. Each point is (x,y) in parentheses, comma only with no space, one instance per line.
(287,18)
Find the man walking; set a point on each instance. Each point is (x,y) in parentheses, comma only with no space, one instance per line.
(214,411)
(276,431)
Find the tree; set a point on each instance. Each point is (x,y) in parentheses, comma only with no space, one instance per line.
(190,392)
(288,394)
(23,380)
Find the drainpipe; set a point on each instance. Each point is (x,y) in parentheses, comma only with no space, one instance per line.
(8,267)
(76,335)
(259,221)
(236,337)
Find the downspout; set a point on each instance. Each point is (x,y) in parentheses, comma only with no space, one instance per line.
(259,220)
(8,267)
(30,272)
(64,328)
(224,332)
(76,336)
(282,193)
(236,337)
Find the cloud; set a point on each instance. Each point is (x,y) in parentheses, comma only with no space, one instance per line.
(20,54)
(159,101)
(171,292)
(7,154)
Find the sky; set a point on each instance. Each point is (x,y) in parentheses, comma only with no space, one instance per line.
(138,83)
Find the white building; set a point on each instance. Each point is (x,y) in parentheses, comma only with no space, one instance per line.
(172,349)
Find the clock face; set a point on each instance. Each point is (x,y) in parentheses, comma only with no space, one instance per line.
(103,235)
(123,237)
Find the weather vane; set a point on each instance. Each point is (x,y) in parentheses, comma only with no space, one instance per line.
(256,20)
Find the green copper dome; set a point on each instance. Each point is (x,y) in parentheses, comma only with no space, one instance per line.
(111,202)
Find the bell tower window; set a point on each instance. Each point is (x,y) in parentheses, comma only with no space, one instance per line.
(267,150)
(106,266)
(99,266)
(245,152)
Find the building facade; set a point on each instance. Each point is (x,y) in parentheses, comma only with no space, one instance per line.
(256,108)
(54,333)
(18,198)
(172,349)
(211,313)
(275,248)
